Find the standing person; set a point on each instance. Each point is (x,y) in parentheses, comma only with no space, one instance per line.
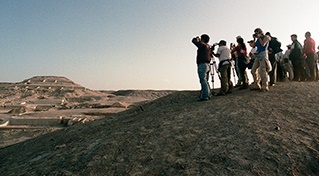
(252,53)
(234,57)
(296,58)
(286,63)
(241,53)
(262,43)
(274,48)
(203,63)
(223,53)
(309,50)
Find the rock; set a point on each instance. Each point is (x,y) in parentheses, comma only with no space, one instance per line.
(17,110)
(120,105)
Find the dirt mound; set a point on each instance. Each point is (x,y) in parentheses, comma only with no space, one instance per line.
(244,133)
(148,94)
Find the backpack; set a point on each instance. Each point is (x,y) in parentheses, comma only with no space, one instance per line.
(275,45)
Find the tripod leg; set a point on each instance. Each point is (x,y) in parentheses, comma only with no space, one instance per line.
(217,70)
(212,76)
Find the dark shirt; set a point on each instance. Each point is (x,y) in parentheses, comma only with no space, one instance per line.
(203,52)
(296,53)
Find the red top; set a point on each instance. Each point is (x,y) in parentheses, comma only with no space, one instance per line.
(309,46)
(240,51)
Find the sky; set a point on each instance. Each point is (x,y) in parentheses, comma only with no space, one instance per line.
(135,44)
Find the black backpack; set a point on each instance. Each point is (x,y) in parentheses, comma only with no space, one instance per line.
(275,45)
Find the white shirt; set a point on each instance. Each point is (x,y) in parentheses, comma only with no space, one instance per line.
(224,54)
(286,54)
(253,50)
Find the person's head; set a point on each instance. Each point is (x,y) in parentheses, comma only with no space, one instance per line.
(222,43)
(294,37)
(205,38)
(308,34)
(251,43)
(240,40)
(258,32)
(268,33)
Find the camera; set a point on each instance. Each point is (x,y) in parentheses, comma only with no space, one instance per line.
(255,35)
(214,45)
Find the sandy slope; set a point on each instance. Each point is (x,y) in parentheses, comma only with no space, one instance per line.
(244,133)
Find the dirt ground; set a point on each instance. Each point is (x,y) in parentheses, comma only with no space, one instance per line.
(243,133)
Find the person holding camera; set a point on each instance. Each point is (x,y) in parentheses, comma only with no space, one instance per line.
(261,41)
(241,52)
(224,55)
(203,63)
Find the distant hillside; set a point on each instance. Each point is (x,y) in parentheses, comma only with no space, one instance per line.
(243,133)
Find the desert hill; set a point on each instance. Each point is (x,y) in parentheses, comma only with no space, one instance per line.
(244,133)
(39,96)
(43,104)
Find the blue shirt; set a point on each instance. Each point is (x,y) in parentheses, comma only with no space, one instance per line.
(261,48)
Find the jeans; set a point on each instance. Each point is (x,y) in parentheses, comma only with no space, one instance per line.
(203,73)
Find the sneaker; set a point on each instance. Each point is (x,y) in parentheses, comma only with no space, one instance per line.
(202,99)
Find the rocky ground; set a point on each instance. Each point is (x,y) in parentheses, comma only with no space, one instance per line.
(243,133)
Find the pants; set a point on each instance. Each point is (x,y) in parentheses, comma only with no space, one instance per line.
(225,73)
(203,73)
(288,68)
(242,70)
(238,71)
(311,64)
(273,72)
(298,69)
(260,62)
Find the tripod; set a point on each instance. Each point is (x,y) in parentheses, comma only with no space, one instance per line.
(233,64)
(214,68)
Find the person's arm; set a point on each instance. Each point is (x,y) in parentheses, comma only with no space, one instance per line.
(265,40)
(196,41)
(305,46)
(218,53)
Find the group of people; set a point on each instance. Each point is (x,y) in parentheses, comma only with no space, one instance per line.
(266,61)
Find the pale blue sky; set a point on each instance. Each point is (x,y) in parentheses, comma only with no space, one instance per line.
(134,44)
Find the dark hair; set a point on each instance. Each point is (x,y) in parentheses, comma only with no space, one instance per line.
(241,43)
(294,35)
(258,30)
(205,38)
(308,34)
(223,43)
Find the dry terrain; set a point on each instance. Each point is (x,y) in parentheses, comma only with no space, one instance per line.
(167,133)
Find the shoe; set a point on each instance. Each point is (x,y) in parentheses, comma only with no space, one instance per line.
(219,94)
(264,90)
(255,89)
(238,85)
(244,86)
(202,99)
